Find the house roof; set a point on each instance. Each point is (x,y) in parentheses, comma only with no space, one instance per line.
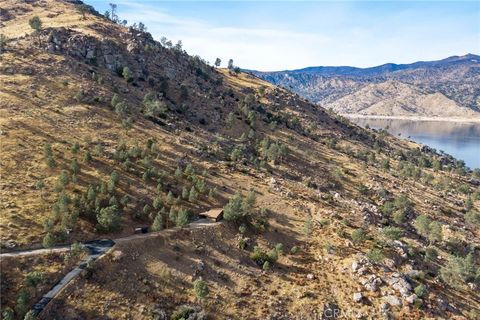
(212,213)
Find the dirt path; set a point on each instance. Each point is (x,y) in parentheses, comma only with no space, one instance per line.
(96,249)
(193,225)
(35,252)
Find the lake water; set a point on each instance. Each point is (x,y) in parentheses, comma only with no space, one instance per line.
(460,139)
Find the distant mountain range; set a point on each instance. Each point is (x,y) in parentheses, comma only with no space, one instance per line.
(443,88)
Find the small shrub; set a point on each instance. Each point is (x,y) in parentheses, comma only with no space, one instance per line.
(22,303)
(184,312)
(329,247)
(243,228)
(146,210)
(272,255)
(392,233)
(201,289)
(185,193)
(362,189)
(39,185)
(108,219)
(308,226)
(74,166)
(193,195)
(430,254)
(87,158)
(359,236)
(127,74)
(238,207)
(375,255)
(34,278)
(172,215)
(30,315)
(387,208)
(183,218)
(420,290)
(472,218)
(432,230)
(458,270)
(115,100)
(258,256)
(399,216)
(35,23)
(157,202)
(121,108)
(170,198)
(75,148)
(266,266)
(157,224)
(279,248)
(49,240)
(8,314)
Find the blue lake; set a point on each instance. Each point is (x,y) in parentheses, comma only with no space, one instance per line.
(460,139)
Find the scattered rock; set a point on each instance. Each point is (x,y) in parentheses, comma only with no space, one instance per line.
(390,263)
(384,307)
(443,305)
(399,283)
(357,297)
(372,283)
(159,314)
(117,255)
(9,244)
(355,266)
(411,298)
(414,274)
(392,301)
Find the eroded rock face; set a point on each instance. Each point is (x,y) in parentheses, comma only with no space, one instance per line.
(371,283)
(101,51)
(400,284)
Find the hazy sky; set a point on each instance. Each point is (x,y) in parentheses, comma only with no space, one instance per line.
(278,35)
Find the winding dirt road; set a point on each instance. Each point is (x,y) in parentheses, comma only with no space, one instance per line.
(96,249)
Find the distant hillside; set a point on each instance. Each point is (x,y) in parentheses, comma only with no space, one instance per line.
(444,88)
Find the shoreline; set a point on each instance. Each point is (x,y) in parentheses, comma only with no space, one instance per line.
(411,118)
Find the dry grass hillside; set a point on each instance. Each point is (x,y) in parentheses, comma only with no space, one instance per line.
(103,129)
(399,99)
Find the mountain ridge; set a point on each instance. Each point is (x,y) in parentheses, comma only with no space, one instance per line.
(456,77)
(391,66)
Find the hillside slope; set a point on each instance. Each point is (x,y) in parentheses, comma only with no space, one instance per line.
(103,129)
(444,88)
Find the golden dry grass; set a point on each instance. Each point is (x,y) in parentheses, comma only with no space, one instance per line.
(37,107)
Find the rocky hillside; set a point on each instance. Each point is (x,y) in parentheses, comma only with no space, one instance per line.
(103,129)
(445,88)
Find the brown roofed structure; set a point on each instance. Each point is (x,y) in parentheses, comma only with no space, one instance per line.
(213,214)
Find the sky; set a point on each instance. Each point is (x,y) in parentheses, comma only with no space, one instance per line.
(285,35)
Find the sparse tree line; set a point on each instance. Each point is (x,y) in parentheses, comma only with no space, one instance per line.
(106,203)
(252,146)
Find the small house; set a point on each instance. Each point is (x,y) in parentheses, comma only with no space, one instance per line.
(213,214)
